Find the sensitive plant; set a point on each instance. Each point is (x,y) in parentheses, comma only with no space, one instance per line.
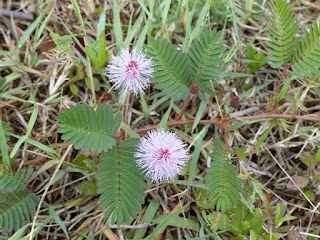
(130,71)
(161,155)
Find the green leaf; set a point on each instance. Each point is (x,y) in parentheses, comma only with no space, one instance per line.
(310,195)
(58,220)
(199,115)
(205,55)
(86,163)
(224,185)
(172,68)
(315,235)
(88,129)
(17,180)
(179,222)
(74,89)
(283,27)
(87,188)
(306,59)
(164,120)
(3,146)
(117,25)
(17,146)
(147,217)
(263,137)
(96,83)
(120,183)
(286,218)
(280,212)
(102,54)
(165,222)
(92,55)
(16,208)
(195,156)
(129,131)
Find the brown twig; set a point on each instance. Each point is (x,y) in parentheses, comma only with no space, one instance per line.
(219,120)
(15,14)
(184,107)
(286,66)
(225,130)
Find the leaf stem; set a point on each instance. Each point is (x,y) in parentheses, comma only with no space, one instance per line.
(218,121)
(286,66)
(184,107)
(127,107)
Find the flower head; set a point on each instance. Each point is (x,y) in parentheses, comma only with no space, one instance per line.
(130,71)
(161,155)
(235,102)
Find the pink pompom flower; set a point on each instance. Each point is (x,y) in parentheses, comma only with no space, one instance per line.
(130,71)
(161,155)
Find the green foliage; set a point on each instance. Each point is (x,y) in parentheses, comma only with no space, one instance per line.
(87,188)
(88,129)
(306,59)
(85,163)
(121,183)
(280,216)
(224,185)
(256,60)
(236,222)
(172,68)
(282,26)
(241,220)
(10,181)
(205,54)
(16,208)
(175,71)
(309,160)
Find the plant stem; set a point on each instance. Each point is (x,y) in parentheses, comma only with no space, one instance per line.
(286,66)
(225,130)
(127,107)
(219,120)
(184,107)
(16,14)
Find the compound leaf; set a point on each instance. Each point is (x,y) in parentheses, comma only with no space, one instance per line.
(306,59)
(172,68)
(120,183)
(224,185)
(88,129)
(18,180)
(282,27)
(205,54)
(16,208)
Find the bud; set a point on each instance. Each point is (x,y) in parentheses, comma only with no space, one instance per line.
(105,97)
(282,101)
(194,89)
(235,102)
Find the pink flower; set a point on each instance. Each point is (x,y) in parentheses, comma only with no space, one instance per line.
(130,71)
(161,155)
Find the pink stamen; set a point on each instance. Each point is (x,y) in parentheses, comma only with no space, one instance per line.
(132,68)
(163,154)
